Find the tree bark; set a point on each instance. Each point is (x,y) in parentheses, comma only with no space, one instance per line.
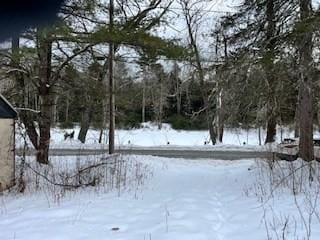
(305,45)
(212,133)
(45,122)
(297,118)
(55,110)
(46,96)
(220,117)
(67,109)
(161,103)
(143,107)
(111,86)
(318,116)
(269,69)
(178,88)
(271,129)
(85,124)
(104,119)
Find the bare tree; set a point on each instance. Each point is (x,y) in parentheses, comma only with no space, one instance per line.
(192,18)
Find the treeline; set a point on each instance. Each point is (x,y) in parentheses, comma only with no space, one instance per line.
(152,94)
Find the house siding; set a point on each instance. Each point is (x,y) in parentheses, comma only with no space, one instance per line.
(6,153)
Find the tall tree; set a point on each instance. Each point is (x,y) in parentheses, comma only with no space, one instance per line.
(111,83)
(130,25)
(192,18)
(269,61)
(44,72)
(305,47)
(258,37)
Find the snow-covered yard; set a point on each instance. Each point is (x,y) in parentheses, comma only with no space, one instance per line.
(150,136)
(181,200)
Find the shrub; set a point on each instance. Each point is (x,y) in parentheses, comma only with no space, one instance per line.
(186,123)
(179,122)
(129,120)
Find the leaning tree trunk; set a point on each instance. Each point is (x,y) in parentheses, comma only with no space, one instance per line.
(207,102)
(26,117)
(305,44)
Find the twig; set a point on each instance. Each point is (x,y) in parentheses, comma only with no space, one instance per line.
(59,184)
(282,181)
(28,110)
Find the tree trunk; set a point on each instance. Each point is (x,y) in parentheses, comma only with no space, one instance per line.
(85,124)
(297,118)
(305,45)
(220,96)
(45,122)
(318,116)
(271,130)
(204,92)
(160,105)
(269,69)
(219,117)
(111,102)
(30,129)
(178,90)
(46,96)
(67,109)
(143,110)
(306,123)
(178,98)
(259,135)
(212,133)
(111,86)
(104,119)
(55,111)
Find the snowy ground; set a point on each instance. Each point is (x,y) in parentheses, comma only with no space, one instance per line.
(150,136)
(185,199)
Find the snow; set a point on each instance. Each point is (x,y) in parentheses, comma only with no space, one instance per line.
(185,199)
(150,136)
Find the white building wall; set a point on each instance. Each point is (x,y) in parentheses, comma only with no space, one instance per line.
(6,153)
